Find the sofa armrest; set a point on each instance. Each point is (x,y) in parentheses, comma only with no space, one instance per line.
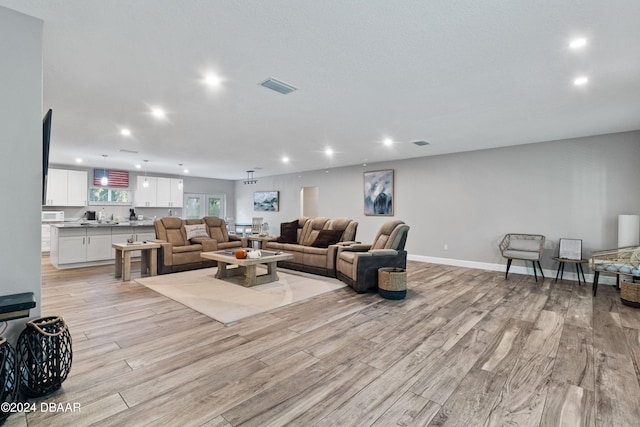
(357,247)
(238,238)
(208,244)
(166,252)
(383,252)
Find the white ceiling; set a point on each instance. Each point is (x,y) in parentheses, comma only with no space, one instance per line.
(463,75)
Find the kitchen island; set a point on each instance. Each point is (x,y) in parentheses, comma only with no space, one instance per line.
(83,244)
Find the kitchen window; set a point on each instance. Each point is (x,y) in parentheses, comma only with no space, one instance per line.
(111,196)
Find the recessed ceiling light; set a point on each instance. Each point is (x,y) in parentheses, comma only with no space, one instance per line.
(186,171)
(158,112)
(388,141)
(78,160)
(578,43)
(285,159)
(328,152)
(125,132)
(212,80)
(138,166)
(580,81)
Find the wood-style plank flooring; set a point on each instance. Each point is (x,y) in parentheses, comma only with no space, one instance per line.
(466,347)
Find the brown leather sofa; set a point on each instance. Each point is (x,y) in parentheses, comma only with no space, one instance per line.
(315,258)
(177,253)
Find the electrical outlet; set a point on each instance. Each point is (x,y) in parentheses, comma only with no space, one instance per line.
(446,247)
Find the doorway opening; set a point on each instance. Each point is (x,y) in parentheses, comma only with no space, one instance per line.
(309,201)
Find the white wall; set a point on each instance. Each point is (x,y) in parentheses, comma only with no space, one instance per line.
(21,141)
(571,188)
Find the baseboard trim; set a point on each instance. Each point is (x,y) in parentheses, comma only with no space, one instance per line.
(518,269)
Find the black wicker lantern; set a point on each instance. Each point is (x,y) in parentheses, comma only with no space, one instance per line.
(44,356)
(7,376)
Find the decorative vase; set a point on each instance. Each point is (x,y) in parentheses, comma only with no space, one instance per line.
(44,356)
(7,376)
(241,254)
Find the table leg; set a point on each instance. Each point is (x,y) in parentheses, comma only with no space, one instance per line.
(562,270)
(272,271)
(582,271)
(118,263)
(144,261)
(578,272)
(222,270)
(153,265)
(250,275)
(127,266)
(558,272)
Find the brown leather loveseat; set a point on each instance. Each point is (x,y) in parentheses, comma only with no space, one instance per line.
(178,252)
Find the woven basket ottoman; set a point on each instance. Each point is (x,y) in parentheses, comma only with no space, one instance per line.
(392,283)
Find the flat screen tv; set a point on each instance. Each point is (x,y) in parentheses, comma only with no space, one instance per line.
(46,143)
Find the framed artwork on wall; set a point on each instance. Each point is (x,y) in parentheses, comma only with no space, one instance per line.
(378,193)
(570,249)
(265,201)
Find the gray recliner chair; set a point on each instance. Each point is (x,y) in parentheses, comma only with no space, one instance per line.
(357,264)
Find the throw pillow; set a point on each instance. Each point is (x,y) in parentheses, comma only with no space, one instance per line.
(326,238)
(288,232)
(196,230)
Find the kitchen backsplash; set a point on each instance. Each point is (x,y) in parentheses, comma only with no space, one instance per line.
(122,212)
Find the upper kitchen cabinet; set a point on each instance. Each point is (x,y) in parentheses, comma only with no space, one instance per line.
(159,192)
(146,189)
(67,188)
(169,193)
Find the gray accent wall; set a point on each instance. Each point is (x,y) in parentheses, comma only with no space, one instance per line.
(21,115)
(571,188)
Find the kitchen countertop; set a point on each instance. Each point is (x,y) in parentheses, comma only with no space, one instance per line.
(95,224)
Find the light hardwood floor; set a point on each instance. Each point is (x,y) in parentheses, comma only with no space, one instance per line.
(465,348)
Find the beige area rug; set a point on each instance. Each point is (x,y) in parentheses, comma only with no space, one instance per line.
(227,302)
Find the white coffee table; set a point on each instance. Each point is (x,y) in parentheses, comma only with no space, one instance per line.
(247,266)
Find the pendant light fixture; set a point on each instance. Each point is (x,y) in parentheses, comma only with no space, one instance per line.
(250,179)
(104,181)
(180,184)
(145,184)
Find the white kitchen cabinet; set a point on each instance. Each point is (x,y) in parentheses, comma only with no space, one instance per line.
(72,249)
(66,188)
(56,187)
(45,238)
(169,194)
(160,193)
(77,188)
(146,196)
(79,245)
(98,245)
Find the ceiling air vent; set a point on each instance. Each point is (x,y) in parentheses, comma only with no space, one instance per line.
(124,150)
(278,86)
(421,143)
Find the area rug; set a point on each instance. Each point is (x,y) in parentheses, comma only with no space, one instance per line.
(228,302)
